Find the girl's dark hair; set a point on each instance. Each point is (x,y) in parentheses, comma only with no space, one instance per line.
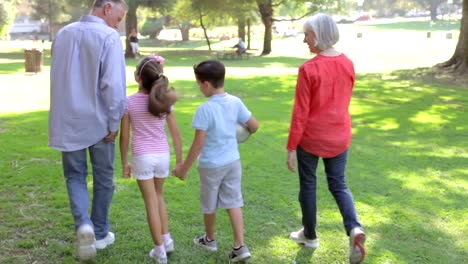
(161,97)
(212,71)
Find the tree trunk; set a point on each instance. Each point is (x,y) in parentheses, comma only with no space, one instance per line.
(204,31)
(433,10)
(266,10)
(248,33)
(458,64)
(131,23)
(241,27)
(184,30)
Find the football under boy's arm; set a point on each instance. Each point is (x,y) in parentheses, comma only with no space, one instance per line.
(252,125)
(175,134)
(124,142)
(194,151)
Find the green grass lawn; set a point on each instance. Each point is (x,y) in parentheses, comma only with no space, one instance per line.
(407,170)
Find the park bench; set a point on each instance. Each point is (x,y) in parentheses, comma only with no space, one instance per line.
(232,55)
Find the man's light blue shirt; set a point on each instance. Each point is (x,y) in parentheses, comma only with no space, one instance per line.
(219,117)
(87,84)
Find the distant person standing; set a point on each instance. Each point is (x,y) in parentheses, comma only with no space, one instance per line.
(133,37)
(321,128)
(87,101)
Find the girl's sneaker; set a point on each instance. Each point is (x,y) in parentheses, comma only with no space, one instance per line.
(169,245)
(240,254)
(203,242)
(299,238)
(158,255)
(357,252)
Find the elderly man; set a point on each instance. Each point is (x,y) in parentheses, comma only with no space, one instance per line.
(87,101)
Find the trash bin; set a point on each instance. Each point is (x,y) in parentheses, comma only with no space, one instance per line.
(33,60)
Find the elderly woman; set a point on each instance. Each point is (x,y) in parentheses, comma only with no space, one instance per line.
(321,128)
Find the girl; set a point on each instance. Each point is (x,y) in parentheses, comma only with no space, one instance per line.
(147,112)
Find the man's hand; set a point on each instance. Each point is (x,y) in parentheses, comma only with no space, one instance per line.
(111,137)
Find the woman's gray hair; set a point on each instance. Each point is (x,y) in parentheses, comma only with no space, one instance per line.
(325,29)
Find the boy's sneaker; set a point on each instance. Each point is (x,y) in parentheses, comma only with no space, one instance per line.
(299,238)
(357,252)
(85,238)
(169,245)
(108,240)
(159,256)
(240,254)
(203,242)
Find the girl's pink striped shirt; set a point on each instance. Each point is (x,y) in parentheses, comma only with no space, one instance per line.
(148,134)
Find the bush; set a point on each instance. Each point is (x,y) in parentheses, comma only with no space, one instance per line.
(153,26)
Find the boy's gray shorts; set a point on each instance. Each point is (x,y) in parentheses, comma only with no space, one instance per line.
(221,187)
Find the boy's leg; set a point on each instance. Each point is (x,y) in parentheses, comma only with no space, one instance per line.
(152,210)
(210,179)
(210,223)
(230,197)
(237,222)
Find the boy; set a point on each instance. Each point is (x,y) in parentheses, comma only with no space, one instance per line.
(219,163)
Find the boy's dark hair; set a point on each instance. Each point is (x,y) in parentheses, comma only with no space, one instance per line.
(211,71)
(161,97)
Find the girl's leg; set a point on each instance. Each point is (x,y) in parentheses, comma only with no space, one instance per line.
(237,222)
(210,222)
(158,185)
(152,209)
(335,170)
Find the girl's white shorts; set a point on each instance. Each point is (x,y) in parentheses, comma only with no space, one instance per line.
(148,166)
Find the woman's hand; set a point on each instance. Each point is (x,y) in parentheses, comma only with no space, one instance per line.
(290,162)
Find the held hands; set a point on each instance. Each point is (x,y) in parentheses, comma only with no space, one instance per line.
(127,170)
(180,172)
(290,162)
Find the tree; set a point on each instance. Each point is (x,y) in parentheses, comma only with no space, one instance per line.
(210,9)
(266,8)
(432,6)
(4,17)
(131,20)
(458,63)
(184,17)
(58,11)
(243,12)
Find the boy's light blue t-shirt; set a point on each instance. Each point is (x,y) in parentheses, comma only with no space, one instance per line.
(218,117)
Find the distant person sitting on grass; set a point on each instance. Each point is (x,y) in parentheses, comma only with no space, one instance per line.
(219,166)
(87,101)
(321,128)
(240,47)
(147,112)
